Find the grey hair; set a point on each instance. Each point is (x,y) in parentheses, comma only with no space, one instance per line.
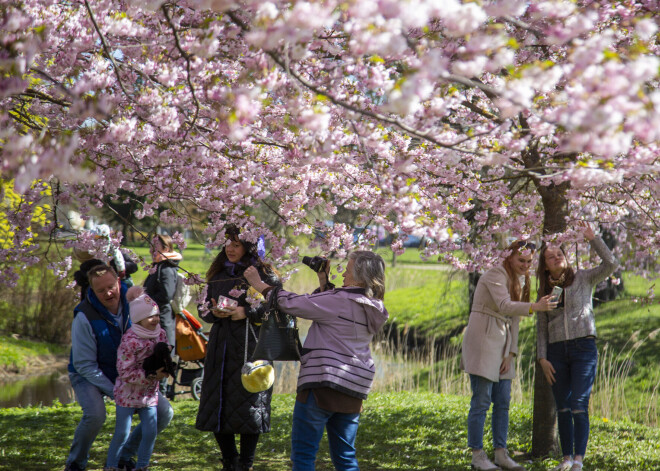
(369,272)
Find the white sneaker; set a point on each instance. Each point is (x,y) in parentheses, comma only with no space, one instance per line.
(504,461)
(481,462)
(577,466)
(564,466)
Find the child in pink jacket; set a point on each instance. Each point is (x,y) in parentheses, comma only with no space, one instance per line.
(134,391)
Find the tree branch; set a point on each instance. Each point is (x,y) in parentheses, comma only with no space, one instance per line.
(187,58)
(106,48)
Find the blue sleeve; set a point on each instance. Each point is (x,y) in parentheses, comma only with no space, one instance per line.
(83,352)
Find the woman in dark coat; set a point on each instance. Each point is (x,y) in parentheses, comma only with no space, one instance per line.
(226,407)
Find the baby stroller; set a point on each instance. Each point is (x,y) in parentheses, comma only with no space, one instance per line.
(191,350)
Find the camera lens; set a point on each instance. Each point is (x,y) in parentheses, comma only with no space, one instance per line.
(315,263)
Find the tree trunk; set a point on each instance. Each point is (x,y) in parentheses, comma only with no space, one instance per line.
(544,436)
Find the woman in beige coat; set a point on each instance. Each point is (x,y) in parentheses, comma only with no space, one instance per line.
(489,345)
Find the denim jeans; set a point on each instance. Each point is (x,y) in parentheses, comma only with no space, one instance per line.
(575,363)
(91,402)
(484,392)
(123,429)
(309,420)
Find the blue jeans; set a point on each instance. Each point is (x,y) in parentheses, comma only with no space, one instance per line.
(91,401)
(484,392)
(123,429)
(575,364)
(309,420)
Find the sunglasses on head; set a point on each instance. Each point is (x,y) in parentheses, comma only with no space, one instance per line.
(524,244)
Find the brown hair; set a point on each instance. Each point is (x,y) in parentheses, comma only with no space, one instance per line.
(251,256)
(98,271)
(513,283)
(166,242)
(542,275)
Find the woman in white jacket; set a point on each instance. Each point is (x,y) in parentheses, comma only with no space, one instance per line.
(489,345)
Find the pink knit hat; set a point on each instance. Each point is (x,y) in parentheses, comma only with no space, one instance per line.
(141,306)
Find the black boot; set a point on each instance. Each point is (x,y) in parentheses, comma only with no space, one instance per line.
(231,465)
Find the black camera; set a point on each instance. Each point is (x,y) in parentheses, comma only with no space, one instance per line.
(315,263)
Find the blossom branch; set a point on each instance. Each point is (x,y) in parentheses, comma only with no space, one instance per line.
(187,58)
(106,48)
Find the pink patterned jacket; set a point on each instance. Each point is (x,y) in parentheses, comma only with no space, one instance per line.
(132,388)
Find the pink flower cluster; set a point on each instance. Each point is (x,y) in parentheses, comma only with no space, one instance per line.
(459,122)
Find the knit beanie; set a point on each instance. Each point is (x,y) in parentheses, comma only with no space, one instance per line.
(141,306)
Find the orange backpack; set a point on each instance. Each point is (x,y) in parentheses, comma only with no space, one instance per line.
(190,340)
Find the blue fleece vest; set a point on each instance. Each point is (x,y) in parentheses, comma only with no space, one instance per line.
(106,330)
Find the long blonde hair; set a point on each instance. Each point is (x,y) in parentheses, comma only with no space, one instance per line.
(513,283)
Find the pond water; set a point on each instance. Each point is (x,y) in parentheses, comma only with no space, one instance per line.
(43,389)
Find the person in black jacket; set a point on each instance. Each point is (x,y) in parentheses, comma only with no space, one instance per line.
(226,408)
(161,286)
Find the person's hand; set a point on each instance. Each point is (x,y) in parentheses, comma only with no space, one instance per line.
(252,276)
(506,364)
(236,312)
(544,304)
(324,275)
(122,274)
(161,373)
(548,371)
(587,230)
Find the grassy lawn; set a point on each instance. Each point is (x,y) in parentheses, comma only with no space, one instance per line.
(398,431)
(17,352)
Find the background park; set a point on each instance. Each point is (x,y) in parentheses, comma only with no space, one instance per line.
(430,131)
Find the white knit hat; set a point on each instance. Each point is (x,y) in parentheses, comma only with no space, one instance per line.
(140,306)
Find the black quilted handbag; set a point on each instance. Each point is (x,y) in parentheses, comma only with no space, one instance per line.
(278,335)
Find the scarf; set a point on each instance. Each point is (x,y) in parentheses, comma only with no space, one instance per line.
(557,282)
(231,267)
(145,333)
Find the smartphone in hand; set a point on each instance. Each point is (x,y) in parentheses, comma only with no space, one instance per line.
(556,293)
(224,302)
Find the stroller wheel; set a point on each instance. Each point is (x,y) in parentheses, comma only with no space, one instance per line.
(196,388)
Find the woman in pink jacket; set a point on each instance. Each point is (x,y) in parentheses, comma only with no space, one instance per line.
(489,345)
(135,389)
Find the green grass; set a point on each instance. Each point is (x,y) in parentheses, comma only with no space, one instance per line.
(398,431)
(434,301)
(17,352)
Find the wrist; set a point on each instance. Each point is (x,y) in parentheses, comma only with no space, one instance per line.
(532,308)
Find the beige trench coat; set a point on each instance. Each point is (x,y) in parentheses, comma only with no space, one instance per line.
(492,330)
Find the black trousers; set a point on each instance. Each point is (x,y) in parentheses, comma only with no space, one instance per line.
(227,442)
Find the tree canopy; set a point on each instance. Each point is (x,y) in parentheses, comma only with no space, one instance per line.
(457,121)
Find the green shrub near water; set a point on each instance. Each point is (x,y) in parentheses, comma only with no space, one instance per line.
(398,431)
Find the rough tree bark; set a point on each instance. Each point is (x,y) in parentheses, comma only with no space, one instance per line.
(544,436)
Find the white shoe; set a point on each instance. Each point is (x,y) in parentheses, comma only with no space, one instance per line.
(577,466)
(481,462)
(504,461)
(564,466)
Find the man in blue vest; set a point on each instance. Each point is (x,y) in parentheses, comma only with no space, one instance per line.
(99,322)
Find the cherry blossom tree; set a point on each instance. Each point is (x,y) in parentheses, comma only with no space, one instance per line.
(458,121)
